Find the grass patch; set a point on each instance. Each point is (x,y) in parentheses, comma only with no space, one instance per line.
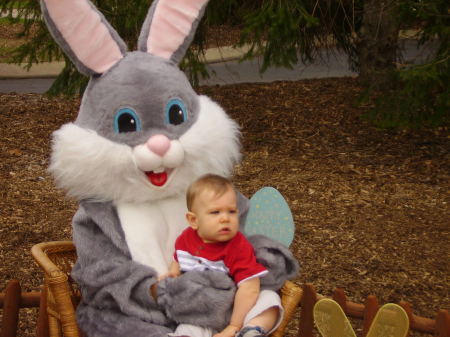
(19,4)
(8,20)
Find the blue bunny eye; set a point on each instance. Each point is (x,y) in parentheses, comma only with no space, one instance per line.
(175,112)
(126,120)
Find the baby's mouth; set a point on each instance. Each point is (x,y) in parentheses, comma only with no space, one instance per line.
(158,178)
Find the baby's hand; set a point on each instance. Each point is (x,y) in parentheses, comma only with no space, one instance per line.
(229,331)
(166,275)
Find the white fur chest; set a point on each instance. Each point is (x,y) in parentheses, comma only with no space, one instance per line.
(151,230)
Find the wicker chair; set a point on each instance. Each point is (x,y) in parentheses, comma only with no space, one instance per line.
(63,294)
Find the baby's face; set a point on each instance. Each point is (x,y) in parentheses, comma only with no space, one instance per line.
(216,218)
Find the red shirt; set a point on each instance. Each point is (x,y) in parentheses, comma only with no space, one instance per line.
(235,257)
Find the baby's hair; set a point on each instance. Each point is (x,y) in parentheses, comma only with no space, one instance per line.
(218,184)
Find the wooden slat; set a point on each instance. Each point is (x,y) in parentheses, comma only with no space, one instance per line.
(30,299)
(340,298)
(371,308)
(408,309)
(11,306)
(306,323)
(442,324)
(27,300)
(42,322)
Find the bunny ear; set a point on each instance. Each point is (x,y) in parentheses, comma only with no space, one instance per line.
(170,26)
(84,34)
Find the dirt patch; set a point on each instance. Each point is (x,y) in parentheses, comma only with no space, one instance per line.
(220,36)
(371,207)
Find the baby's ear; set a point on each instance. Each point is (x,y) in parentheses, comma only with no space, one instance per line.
(192,219)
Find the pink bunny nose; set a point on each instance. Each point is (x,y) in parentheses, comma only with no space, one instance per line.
(158,144)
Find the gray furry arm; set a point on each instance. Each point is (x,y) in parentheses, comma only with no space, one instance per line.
(278,260)
(202,298)
(108,278)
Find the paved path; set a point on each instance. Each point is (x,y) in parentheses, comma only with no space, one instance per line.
(221,73)
(248,71)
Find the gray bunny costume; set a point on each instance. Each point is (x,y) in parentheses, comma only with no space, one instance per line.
(141,137)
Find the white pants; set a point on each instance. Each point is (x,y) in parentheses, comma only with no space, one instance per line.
(266,300)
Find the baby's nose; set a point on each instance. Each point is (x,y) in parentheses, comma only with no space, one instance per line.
(158,144)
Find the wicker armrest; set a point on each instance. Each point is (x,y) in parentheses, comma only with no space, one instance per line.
(56,260)
(291,295)
(42,253)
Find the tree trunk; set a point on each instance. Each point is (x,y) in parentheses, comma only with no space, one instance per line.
(377,42)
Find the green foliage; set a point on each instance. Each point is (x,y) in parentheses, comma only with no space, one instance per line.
(418,95)
(193,67)
(17,4)
(69,82)
(7,20)
(286,30)
(29,15)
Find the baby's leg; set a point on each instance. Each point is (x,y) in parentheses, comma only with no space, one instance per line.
(190,330)
(264,317)
(266,320)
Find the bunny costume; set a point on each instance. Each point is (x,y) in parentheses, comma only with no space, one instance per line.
(141,137)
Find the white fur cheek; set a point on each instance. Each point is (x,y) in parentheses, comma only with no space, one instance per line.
(213,141)
(87,165)
(145,159)
(175,156)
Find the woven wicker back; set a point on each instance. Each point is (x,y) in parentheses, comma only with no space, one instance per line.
(63,294)
(64,257)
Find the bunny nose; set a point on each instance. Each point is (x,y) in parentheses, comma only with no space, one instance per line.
(158,144)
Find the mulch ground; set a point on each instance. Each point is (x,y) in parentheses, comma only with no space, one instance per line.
(371,207)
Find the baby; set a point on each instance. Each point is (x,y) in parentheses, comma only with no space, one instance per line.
(213,242)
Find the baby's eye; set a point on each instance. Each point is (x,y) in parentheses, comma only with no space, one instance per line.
(233,211)
(214,212)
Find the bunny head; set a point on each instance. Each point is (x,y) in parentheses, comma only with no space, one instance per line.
(142,133)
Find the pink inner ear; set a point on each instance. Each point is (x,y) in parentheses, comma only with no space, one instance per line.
(172,22)
(85,33)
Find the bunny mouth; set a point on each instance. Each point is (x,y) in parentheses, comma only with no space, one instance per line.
(158,178)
